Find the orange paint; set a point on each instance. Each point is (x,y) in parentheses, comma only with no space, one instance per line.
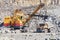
(6,24)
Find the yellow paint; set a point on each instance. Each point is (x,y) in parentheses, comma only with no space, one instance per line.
(7,19)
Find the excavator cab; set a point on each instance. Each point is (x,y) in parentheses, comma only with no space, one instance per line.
(17,19)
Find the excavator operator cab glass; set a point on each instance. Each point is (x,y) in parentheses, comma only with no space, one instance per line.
(21,17)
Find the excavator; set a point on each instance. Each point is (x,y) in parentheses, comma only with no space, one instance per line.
(18,19)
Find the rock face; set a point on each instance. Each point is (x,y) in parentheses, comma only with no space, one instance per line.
(52,7)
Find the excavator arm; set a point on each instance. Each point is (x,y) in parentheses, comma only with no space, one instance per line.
(35,11)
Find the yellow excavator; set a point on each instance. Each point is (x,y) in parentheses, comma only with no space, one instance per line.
(18,18)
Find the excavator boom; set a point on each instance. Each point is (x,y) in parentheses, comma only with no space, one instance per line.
(35,11)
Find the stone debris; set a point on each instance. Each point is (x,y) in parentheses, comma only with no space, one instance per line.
(51,9)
